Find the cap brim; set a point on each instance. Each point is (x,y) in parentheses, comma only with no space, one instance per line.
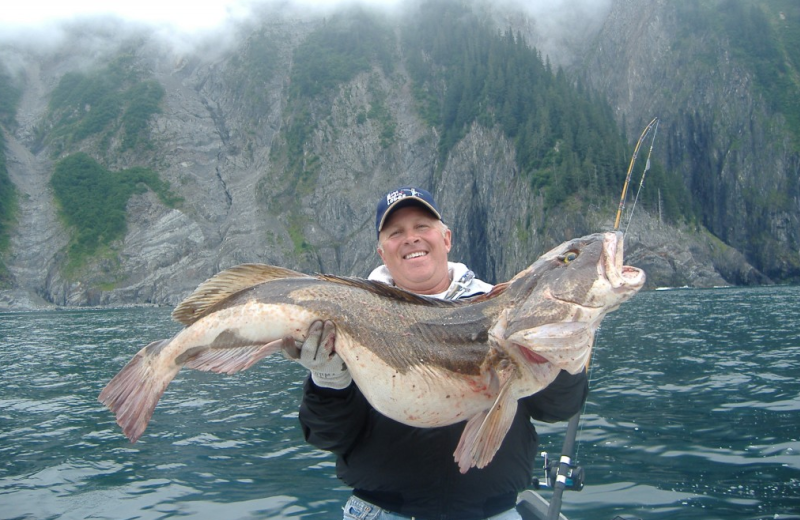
(407,201)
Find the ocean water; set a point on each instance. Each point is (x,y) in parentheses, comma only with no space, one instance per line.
(694,413)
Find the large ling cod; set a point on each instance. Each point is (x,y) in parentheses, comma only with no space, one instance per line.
(420,361)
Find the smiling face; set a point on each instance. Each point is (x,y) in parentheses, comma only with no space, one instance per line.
(414,249)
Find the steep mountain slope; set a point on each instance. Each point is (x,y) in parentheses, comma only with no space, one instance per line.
(723,78)
(276,142)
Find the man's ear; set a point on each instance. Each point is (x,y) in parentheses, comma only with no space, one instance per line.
(379,249)
(447,240)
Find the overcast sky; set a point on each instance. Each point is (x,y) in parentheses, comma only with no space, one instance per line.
(182,14)
(43,24)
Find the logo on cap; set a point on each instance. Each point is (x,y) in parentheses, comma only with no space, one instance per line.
(393,198)
(402,193)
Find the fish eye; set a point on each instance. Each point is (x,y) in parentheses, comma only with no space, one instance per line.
(569,256)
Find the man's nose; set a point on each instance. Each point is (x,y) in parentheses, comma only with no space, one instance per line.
(411,236)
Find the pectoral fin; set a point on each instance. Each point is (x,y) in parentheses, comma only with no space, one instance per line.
(484,433)
(566,345)
(231,360)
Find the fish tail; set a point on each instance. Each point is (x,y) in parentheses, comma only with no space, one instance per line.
(134,392)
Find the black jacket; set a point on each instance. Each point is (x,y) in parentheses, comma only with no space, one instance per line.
(411,470)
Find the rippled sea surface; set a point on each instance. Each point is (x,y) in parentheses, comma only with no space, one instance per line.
(694,413)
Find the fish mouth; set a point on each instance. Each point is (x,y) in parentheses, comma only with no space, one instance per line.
(623,277)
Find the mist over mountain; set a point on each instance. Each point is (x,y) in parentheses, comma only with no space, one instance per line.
(139,160)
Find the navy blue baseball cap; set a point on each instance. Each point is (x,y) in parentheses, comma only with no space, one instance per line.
(400,198)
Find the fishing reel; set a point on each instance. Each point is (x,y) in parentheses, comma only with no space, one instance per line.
(573,480)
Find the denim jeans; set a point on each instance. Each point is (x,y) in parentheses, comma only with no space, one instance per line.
(357,509)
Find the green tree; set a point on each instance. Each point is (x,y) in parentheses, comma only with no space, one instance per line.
(346,45)
(103,101)
(464,71)
(9,98)
(92,201)
(8,210)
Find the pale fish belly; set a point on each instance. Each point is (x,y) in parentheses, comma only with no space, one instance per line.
(251,323)
(422,396)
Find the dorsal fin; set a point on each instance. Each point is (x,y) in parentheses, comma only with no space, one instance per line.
(390,291)
(226,283)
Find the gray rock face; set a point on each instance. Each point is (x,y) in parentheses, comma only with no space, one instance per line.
(733,152)
(218,145)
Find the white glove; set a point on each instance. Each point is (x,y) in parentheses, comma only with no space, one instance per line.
(318,355)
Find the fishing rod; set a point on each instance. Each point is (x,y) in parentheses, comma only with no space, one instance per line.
(646,130)
(646,169)
(568,474)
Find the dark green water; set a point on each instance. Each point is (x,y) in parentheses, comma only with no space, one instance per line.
(694,413)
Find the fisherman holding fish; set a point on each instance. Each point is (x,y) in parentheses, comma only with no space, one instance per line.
(399,471)
(426,402)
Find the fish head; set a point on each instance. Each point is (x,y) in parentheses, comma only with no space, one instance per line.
(588,271)
(561,299)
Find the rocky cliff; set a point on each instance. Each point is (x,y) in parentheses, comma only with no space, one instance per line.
(703,69)
(223,131)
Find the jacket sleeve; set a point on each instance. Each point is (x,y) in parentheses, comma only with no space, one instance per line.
(562,399)
(332,420)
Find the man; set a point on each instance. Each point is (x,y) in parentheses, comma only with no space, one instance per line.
(398,471)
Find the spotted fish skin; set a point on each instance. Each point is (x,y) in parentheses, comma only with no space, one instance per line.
(421,361)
